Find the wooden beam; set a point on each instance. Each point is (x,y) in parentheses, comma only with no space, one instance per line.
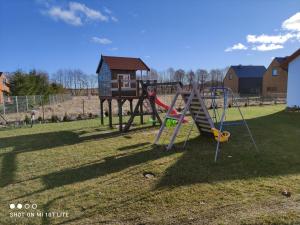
(135,112)
(101,111)
(120,115)
(142,111)
(130,105)
(110,113)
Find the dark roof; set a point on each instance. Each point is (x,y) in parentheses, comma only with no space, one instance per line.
(280,59)
(285,63)
(249,71)
(123,63)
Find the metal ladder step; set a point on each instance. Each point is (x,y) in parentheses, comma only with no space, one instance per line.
(198,112)
(201,125)
(202,121)
(205,130)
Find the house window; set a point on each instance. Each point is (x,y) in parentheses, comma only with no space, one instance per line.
(230,76)
(125,80)
(275,72)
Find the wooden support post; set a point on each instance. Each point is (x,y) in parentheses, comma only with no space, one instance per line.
(120,114)
(137,88)
(130,105)
(110,113)
(101,111)
(142,111)
(119,87)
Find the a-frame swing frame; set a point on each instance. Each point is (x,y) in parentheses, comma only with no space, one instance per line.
(226,92)
(201,123)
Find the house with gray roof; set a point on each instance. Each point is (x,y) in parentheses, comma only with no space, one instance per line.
(245,80)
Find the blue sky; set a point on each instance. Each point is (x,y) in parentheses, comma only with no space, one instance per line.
(191,34)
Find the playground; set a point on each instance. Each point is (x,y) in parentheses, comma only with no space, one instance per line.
(101,175)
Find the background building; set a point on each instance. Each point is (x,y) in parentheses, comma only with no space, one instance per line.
(292,64)
(275,79)
(245,80)
(4,86)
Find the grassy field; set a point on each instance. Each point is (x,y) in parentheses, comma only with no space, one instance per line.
(96,174)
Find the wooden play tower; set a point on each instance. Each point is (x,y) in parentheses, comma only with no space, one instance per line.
(124,79)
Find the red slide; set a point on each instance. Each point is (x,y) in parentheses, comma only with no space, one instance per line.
(166,107)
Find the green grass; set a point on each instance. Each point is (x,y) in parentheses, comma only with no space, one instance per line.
(96,174)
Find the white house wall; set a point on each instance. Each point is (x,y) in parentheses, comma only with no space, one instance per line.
(293,93)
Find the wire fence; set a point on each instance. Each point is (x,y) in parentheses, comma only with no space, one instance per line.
(22,104)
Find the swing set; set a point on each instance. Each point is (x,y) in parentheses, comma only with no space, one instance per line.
(212,126)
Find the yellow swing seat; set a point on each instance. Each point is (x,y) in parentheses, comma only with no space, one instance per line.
(224,136)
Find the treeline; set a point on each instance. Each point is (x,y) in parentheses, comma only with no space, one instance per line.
(204,77)
(75,80)
(38,82)
(34,82)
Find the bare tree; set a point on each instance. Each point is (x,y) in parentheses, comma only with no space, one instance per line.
(74,80)
(153,75)
(171,74)
(190,77)
(179,75)
(202,76)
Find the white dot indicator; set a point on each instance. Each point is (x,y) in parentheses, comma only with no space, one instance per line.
(12,206)
(19,206)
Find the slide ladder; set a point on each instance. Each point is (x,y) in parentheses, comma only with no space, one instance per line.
(196,106)
(199,112)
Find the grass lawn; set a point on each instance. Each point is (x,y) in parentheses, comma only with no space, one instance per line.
(96,174)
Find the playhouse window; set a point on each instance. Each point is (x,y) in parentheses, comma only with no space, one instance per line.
(275,72)
(230,76)
(125,80)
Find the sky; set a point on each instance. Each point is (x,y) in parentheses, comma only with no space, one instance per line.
(189,34)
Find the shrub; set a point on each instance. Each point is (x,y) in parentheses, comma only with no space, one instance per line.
(66,118)
(26,119)
(79,117)
(40,119)
(54,119)
(91,115)
(106,113)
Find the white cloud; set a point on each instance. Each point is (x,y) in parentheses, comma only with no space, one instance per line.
(268,39)
(264,42)
(103,41)
(67,16)
(292,23)
(113,18)
(267,47)
(75,14)
(238,46)
(88,12)
(108,11)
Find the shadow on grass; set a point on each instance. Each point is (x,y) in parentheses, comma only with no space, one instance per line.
(42,141)
(279,154)
(238,159)
(274,134)
(111,165)
(130,147)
